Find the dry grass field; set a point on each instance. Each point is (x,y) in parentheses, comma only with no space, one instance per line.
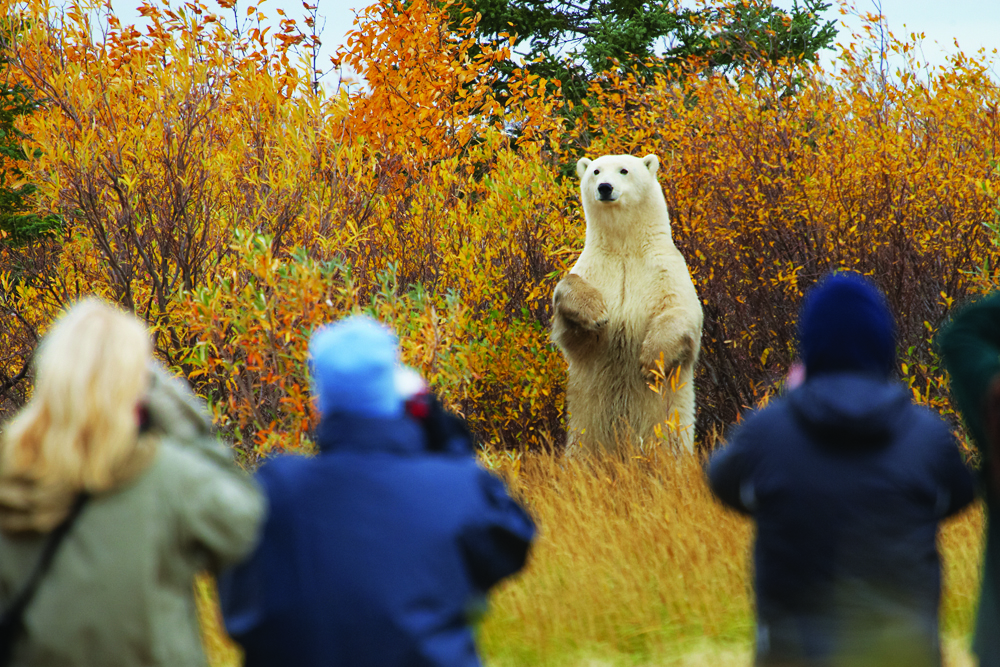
(637,564)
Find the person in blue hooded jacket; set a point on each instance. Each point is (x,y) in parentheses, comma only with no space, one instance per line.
(375,552)
(847,481)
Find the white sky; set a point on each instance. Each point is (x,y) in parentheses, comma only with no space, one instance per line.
(975,24)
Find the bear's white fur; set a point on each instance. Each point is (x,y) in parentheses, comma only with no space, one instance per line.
(628,299)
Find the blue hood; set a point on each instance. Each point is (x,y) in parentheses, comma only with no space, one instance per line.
(850,409)
(400,435)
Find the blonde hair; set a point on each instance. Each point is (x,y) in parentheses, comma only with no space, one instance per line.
(80,431)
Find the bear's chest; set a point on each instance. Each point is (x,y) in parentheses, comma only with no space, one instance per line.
(632,288)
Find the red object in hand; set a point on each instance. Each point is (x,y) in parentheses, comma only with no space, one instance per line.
(418,406)
(414,391)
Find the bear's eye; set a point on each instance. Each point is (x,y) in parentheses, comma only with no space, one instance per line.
(624,171)
(596,172)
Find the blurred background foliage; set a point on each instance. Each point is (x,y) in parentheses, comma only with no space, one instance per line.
(201,178)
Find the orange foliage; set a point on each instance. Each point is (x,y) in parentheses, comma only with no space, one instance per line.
(207,185)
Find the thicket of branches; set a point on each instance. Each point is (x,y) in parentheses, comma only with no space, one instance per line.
(204,181)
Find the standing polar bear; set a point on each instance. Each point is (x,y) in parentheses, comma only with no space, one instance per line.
(628,299)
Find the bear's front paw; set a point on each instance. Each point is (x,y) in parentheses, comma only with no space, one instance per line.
(651,369)
(660,357)
(580,304)
(585,322)
(658,370)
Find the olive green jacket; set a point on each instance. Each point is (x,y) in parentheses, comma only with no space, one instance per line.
(970,349)
(120,589)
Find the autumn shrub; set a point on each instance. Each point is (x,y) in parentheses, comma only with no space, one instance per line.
(154,148)
(988,271)
(251,332)
(206,184)
(166,151)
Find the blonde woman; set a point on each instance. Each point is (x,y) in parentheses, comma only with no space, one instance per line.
(164,501)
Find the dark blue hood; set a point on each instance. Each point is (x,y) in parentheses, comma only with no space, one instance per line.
(846,325)
(850,409)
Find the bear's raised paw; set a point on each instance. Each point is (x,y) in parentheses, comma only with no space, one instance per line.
(579,304)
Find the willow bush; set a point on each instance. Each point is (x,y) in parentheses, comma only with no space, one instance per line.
(208,186)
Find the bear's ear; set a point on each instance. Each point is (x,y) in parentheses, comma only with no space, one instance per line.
(652,163)
(581,166)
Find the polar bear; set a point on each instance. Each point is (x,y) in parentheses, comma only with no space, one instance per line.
(628,300)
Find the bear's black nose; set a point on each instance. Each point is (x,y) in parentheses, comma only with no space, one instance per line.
(605,190)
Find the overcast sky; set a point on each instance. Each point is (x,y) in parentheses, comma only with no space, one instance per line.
(975,24)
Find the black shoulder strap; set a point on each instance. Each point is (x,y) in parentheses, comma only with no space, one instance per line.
(11,619)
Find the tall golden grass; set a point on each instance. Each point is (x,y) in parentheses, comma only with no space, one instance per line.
(637,564)
(634,558)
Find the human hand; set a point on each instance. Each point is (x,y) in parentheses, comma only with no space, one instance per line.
(796,375)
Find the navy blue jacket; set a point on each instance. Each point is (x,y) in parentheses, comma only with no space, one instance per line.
(847,481)
(374,553)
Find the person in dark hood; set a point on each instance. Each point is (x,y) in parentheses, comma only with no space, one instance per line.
(970,349)
(379,551)
(847,481)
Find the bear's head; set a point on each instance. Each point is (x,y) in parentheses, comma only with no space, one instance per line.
(613,181)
